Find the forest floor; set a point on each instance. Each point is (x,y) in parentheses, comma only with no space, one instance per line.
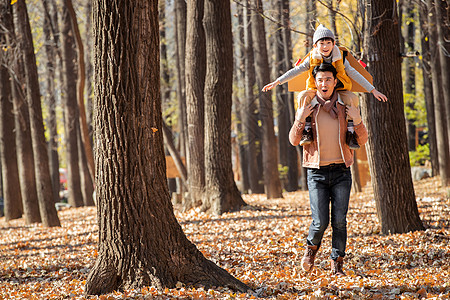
(262,245)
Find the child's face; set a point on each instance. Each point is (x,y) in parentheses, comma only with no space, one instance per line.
(325,47)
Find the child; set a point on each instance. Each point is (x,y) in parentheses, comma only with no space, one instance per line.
(325,50)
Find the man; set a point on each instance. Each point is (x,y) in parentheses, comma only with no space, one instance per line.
(327,159)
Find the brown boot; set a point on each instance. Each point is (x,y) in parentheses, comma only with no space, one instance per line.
(307,137)
(351,140)
(336,266)
(308,258)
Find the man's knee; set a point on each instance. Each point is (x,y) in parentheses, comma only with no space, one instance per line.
(305,97)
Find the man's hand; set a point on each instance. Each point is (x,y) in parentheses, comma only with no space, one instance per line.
(270,86)
(303,112)
(379,96)
(353,113)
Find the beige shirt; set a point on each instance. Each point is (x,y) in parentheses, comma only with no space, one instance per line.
(328,132)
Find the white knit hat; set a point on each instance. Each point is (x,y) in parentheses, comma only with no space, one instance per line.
(322,32)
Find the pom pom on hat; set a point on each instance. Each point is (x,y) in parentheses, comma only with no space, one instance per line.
(322,32)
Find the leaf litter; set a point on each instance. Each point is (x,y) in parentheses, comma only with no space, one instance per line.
(261,245)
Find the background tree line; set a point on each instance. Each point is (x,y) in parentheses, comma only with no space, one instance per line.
(47,82)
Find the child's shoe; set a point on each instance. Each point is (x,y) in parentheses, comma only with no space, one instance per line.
(307,137)
(351,140)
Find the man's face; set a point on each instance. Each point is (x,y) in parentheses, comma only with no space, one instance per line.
(325,83)
(325,47)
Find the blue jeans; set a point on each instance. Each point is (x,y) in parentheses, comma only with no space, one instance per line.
(329,184)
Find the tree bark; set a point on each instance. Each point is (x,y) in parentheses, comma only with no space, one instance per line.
(272,182)
(438,95)
(86,184)
(71,111)
(43,179)
(81,71)
(249,113)
(221,193)
(140,240)
(51,102)
(10,172)
(427,86)
(25,161)
(180,39)
(387,149)
(195,102)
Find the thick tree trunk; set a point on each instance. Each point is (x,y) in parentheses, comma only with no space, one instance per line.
(25,160)
(427,86)
(221,193)
(43,179)
(387,147)
(249,113)
(272,182)
(195,102)
(10,172)
(81,72)
(438,96)
(51,102)
(130,166)
(71,111)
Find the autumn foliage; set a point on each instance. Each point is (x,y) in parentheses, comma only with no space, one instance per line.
(261,245)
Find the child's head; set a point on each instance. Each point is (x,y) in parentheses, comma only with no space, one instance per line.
(323,39)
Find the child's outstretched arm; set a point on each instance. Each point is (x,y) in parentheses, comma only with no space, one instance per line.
(380,96)
(270,86)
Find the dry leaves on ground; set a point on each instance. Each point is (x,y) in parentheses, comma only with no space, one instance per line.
(261,245)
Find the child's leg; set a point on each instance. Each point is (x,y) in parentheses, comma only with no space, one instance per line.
(350,99)
(305,97)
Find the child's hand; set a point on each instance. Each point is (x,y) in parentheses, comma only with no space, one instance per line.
(303,112)
(353,113)
(379,96)
(270,86)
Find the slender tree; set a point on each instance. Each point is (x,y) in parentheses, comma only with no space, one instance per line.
(221,193)
(387,148)
(10,177)
(269,145)
(42,171)
(71,111)
(140,240)
(195,103)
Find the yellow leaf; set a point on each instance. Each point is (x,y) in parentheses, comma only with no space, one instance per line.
(13,1)
(154,129)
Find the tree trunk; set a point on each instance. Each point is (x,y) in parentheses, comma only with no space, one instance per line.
(410,80)
(168,140)
(240,81)
(443,32)
(89,70)
(71,111)
(10,172)
(249,111)
(356,180)
(51,102)
(195,102)
(86,184)
(387,149)
(332,18)
(130,166)
(427,86)
(221,193)
(311,17)
(180,39)
(44,183)
(80,89)
(272,182)
(292,156)
(438,95)
(25,161)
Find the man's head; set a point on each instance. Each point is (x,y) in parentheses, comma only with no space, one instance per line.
(325,78)
(324,40)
